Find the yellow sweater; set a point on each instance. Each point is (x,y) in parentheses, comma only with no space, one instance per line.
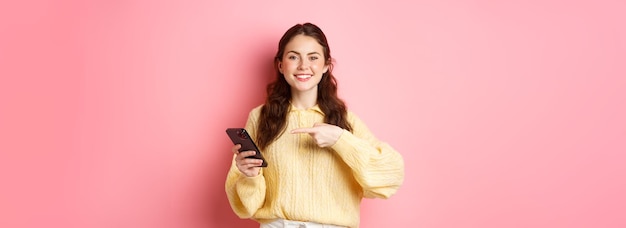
(304,182)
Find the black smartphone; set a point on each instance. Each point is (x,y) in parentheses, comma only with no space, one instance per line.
(241,136)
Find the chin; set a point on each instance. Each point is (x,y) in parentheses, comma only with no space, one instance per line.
(303,89)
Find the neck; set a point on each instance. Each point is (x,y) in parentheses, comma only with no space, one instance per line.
(304,100)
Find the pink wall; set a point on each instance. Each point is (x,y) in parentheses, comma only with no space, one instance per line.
(112,113)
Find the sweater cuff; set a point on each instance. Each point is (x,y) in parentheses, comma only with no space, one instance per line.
(246,183)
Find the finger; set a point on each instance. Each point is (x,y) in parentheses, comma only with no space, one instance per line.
(307,130)
(235,148)
(251,163)
(255,162)
(242,155)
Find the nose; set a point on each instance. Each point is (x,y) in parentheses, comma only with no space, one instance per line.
(304,64)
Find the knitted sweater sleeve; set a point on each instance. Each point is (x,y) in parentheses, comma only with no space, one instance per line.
(245,194)
(376,166)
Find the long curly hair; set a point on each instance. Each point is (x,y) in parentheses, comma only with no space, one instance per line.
(273,118)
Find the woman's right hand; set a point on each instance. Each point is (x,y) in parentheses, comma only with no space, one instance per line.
(248,166)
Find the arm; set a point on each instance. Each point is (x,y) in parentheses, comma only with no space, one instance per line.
(376,166)
(245,194)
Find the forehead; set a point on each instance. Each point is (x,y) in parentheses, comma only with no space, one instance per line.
(304,44)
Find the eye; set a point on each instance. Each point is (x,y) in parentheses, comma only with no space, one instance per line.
(314,58)
(292,57)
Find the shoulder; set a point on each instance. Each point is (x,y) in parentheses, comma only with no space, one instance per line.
(354,119)
(253,118)
(257,108)
(359,127)
(256,111)
(352,116)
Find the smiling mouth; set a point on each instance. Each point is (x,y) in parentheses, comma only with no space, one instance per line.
(303,76)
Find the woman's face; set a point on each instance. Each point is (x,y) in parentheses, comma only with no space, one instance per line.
(303,63)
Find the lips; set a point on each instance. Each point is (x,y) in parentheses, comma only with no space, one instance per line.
(303,77)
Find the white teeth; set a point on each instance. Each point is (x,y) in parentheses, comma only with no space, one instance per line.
(303,76)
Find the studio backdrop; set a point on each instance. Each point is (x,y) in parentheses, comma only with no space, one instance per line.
(507,113)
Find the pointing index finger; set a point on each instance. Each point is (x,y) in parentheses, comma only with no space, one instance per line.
(302,130)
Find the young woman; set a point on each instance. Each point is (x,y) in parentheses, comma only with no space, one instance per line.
(322,158)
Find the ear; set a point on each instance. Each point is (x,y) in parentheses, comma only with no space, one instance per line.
(328,65)
(326,68)
(280,67)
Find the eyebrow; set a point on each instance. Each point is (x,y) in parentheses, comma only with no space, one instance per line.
(310,53)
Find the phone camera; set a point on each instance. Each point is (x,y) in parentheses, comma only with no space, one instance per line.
(242,134)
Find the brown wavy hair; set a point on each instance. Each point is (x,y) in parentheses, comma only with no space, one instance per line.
(273,118)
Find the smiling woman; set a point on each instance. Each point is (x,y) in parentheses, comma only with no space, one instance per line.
(319,172)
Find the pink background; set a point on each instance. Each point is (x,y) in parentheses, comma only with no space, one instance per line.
(112,113)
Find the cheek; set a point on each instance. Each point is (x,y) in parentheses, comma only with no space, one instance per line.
(288,65)
(317,66)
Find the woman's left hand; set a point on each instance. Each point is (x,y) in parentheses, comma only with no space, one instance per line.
(325,135)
